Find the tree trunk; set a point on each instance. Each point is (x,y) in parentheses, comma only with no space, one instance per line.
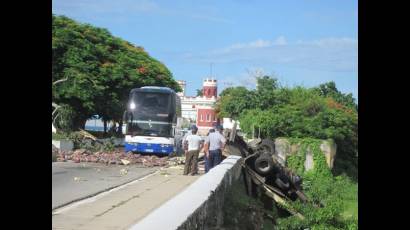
(79,123)
(105,127)
(120,127)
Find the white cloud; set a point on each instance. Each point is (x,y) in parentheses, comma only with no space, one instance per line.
(255,44)
(259,43)
(280,41)
(326,54)
(335,42)
(246,79)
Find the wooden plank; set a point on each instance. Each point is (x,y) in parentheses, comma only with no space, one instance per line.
(272,192)
(283,202)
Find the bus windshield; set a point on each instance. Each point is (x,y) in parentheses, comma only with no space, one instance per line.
(151,106)
(152,115)
(150,128)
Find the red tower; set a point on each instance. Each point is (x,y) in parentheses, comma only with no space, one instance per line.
(209,88)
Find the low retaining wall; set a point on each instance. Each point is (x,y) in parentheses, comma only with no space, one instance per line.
(200,205)
(63,145)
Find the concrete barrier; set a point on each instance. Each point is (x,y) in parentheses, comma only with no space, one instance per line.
(200,205)
(64,145)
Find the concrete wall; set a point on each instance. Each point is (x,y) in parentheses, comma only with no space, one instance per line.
(284,149)
(64,145)
(200,205)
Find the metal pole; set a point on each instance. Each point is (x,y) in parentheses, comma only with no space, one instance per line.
(253,131)
(259,133)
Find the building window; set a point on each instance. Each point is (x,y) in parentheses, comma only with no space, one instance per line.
(208,117)
(201,118)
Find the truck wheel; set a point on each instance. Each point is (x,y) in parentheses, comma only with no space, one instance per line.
(264,164)
(268,146)
(281,184)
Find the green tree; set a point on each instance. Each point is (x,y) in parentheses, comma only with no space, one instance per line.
(100,69)
(329,90)
(233,101)
(265,91)
(199,93)
(319,112)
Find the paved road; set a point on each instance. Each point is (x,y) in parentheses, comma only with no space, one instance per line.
(124,207)
(74,181)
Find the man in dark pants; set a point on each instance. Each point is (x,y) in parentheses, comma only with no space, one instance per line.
(216,142)
(206,150)
(193,143)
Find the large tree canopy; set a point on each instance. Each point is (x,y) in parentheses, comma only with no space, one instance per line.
(320,112)
(100,69)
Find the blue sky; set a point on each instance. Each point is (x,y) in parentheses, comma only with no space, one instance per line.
(300,42)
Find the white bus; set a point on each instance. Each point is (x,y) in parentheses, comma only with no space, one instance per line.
(151,120)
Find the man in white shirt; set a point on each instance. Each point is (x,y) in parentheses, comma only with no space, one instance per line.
(192,143)
(215,143)
(184,148)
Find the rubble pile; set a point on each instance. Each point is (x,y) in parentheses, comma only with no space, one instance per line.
(54,150)
(111,157)
(54,153)
(174,161)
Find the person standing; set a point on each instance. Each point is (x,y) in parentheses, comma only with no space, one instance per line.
(206,150)
(185,148)
(216,142)
(192,143)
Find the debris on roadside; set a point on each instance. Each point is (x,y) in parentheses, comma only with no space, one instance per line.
(123,172)
(116,157)
(54,152)
(201,166)
(176,161)
(87,135)
(125,162)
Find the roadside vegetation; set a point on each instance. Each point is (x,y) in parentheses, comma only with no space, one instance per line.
(305,115)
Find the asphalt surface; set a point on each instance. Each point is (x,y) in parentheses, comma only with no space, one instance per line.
(76,181)
(123,207)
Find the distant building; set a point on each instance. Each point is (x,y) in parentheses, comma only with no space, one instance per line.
(182,84)
(200,109)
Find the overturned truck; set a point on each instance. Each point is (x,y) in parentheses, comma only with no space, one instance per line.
(265,171)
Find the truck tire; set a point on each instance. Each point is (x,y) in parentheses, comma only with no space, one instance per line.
(264,164)
(268,146)
(282,185)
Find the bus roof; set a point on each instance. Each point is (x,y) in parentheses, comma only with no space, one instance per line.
(155,89)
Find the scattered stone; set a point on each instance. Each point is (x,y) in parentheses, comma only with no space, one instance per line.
(115,157)
(125,162)
(123,172)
